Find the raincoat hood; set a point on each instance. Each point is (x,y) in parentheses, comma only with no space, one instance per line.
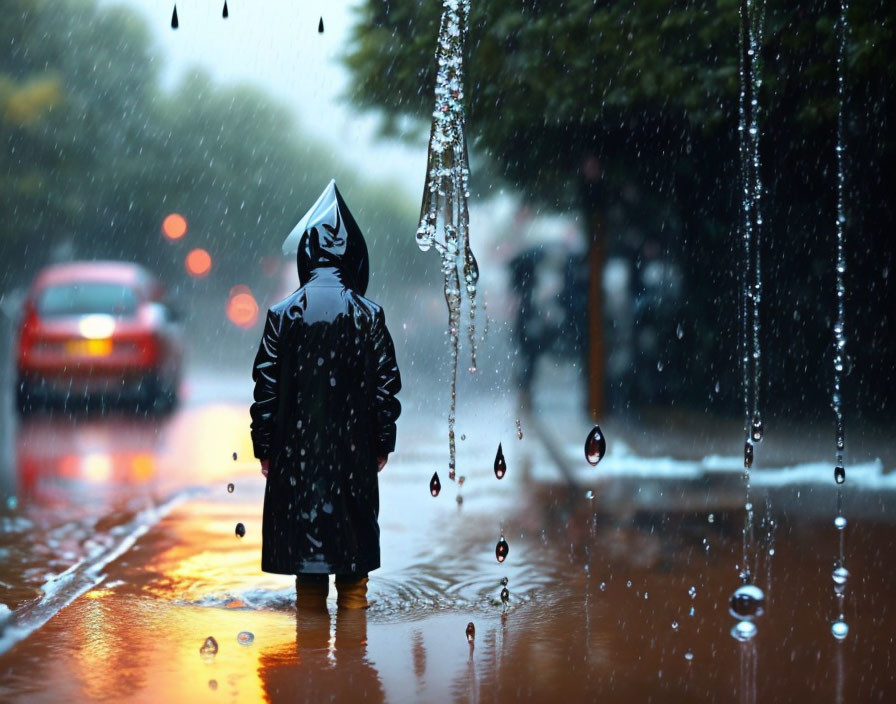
(328,237)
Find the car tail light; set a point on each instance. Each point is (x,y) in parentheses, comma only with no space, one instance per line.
(28,335)
(149,349)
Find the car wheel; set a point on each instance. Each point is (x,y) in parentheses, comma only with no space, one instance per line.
(156,397)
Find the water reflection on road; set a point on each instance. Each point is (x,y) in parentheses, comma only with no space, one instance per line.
(621,595)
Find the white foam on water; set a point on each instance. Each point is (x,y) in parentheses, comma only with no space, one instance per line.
(869,476)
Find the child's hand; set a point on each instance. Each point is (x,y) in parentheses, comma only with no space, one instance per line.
(265,465)
(380,463)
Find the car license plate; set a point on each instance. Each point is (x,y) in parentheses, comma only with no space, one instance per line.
(89,348)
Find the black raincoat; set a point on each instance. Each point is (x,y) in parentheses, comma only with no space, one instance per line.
(325,407)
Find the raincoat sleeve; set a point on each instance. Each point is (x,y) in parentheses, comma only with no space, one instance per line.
(386,407)
(265,374)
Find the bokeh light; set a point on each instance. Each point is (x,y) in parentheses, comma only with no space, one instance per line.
(174,226)
(242,309)
(198,263)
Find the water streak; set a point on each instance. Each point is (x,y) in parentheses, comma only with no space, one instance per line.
(446,192)
(752,15)
(839,628)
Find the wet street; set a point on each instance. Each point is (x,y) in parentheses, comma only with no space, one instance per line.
(119,559)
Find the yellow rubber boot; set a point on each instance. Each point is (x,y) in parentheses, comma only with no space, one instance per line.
(311,591)
(352,594)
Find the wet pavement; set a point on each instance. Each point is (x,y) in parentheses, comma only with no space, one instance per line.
(120,559)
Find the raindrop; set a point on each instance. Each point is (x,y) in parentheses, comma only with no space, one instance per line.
(174,23)
(460,480)
(595,446)
(245,638)
(747,602)
(471,632)
(839,474)
(839,629)
(435,486)
(519,429)
(459,499)
(12,503)
(463,436)
(589,494)
(748,454)
(505,595)
(501,549)
(692,592)
(320,26)
(688,656)
(500,464)
(840,575)
(711,518)
(224,13)
(679,331)
(756,429)
(504,581)
(675,625)
(210,647)
(240,530)
(743,631)
(840,522)
(234,457)
(603,586)
(230,488)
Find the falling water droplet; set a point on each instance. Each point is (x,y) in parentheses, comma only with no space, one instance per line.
(500,464)
(320,26)
(504,581)
(589,494)
(463,436)
(840,575)
(747,602)
(505,595)
(240,530)
(748,454)
(839,630)
(692,592)
(756,430)
(234,457)
(460,480)
(839,474)
(679,331)
(519,429)
(744,631)
(688,656)
(675,625)
(245,638)
(595,446)
(501,549)
(174,23)
(459,499)
(230,488)
(210,647)
(840,522)
(435,486)
(225,13)
(471,632)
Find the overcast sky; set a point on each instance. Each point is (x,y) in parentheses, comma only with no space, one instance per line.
(275,44)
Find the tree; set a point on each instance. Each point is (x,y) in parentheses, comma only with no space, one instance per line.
(651,89)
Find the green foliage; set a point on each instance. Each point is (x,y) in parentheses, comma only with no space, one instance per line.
(98,154)
(651,87)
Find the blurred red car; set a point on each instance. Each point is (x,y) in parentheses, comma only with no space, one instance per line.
(98,330)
